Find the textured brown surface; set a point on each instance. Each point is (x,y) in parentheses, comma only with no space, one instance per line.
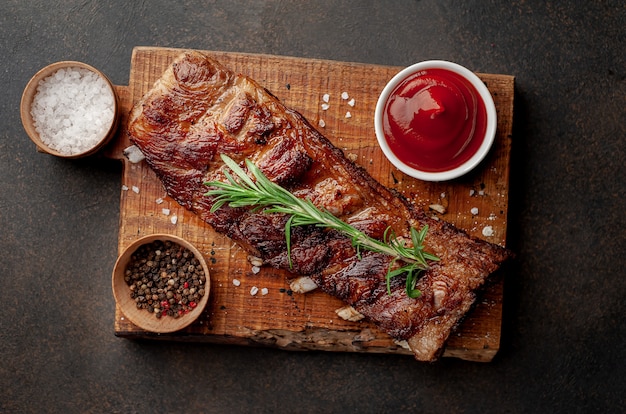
(295,321)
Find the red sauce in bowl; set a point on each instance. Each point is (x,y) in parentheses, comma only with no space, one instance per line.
(435,120)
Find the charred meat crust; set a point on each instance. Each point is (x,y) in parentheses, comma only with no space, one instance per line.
(199,109)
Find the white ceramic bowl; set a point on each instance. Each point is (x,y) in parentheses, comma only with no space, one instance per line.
(474,160)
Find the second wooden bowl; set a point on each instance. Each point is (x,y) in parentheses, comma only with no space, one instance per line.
(142,317)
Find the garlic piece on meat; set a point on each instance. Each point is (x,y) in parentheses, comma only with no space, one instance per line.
(255,261)
(440,291)
(438,208)
(348,313)
(303,284)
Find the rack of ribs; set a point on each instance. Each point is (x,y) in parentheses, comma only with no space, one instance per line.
(200,109)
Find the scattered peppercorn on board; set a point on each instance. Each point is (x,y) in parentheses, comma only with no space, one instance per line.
(249,306)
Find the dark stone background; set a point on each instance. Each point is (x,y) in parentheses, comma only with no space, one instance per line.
(563,346)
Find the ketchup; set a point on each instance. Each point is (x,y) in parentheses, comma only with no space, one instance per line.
(435,120)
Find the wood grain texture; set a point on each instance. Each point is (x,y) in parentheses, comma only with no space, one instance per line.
(308,322)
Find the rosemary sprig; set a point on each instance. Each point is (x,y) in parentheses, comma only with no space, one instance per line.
(240,190)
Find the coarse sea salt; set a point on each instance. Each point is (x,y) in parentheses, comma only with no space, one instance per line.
(488,231)
(73,110)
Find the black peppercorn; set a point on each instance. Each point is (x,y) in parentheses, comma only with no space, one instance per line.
(163,279)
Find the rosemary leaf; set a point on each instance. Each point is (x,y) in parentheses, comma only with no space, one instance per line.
(241,190)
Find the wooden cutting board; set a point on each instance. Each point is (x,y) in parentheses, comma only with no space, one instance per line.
(282,318)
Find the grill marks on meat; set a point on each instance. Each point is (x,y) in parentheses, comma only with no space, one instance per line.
(199,109)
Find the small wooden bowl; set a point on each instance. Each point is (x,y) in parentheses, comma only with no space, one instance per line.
(29,94)
(142,317)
